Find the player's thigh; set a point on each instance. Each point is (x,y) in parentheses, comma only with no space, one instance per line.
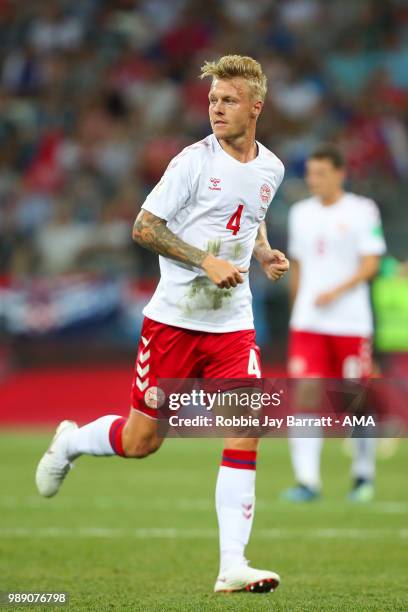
(309,362)
(308,355)
(353,356)
(164,352)
(232,355)
(353,359)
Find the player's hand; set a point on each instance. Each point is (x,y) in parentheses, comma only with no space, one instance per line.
(223,273)
(326,298)
(274,264)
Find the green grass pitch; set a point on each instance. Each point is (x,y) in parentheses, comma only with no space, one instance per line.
(141,535)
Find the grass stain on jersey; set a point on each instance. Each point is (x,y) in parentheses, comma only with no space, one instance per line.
(214,247)
(203,295)
(236,250)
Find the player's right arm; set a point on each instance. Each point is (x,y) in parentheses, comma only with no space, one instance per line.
(152,233)
(175,191)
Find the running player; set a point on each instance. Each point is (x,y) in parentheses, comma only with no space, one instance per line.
(205,219)
(335,244)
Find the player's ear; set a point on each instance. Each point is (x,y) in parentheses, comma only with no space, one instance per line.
(256,108)
(342,174)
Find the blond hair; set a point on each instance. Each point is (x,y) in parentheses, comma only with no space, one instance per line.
(231,66)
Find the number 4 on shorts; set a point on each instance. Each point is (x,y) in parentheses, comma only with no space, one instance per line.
(253,365)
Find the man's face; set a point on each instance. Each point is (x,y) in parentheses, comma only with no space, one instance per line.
(232,108)
(323,178)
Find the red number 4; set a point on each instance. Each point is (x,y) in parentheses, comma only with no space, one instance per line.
(234,222)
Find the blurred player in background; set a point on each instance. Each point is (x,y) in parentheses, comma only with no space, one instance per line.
(335,245)
(205,219)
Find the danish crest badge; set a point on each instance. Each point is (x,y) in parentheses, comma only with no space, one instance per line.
(266,195)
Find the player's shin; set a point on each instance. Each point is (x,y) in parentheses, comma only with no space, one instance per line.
(305,454)
(364,451)
(102,437)
(235,504)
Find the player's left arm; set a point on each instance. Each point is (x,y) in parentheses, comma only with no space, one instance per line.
(272,261)
(367,269)
(370,244)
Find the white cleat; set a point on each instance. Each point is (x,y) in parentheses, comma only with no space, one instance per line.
(244,578)
(54,464)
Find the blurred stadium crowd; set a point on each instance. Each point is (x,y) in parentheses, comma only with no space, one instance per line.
(96,96)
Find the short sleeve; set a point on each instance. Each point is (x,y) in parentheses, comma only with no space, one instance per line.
(280,175)
(174,189)
(370,235)
(293,240)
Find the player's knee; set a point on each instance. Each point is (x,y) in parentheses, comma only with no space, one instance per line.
(138,449)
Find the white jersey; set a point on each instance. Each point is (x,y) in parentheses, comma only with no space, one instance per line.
(215,203)
(328,242)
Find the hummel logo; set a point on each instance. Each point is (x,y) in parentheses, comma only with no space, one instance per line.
(214,184)
(247,511)
(144,356)
(142,384)
(142,371)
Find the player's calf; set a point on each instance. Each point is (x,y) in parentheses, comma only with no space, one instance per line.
(139,436)
(140,447)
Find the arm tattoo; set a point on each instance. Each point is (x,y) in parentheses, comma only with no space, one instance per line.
(152,233)
(261,240)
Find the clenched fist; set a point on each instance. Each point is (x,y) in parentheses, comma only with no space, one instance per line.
(274,264)
(223,273)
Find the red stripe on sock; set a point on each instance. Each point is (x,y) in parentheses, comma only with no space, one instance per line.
(239,459)
(115,436)
(239,454)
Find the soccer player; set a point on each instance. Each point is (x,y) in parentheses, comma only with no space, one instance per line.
(335,243)
(205,218)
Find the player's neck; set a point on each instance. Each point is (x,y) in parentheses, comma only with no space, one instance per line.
(244,149)
(331,199)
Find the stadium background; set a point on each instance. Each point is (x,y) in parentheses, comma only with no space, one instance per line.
(96,96)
